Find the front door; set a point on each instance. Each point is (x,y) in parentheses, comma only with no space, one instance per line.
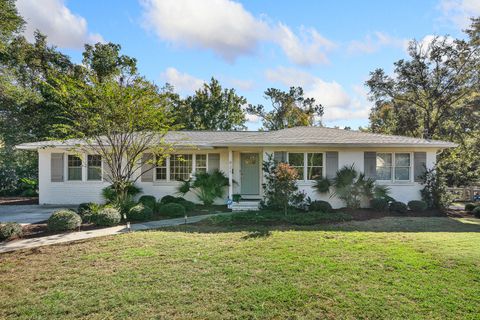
(250,174)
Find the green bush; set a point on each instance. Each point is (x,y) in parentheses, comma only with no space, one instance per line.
(470,206)
(188,205)
(320,206)
(87,210)
(140,212)
(417,205)
(10,230)
(172,210)
(63,220)
(168,199)
(148,201)
(379,204)
(399,207)
(107,217)
(476,212)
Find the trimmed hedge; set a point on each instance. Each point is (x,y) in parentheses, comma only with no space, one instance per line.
(168,199)
(148,201)
(10,230)
(399,207)
(379,204)
(140,212)
(63,220)
(172,210)
(476,212)
(417,205)
(188,205)
(470,206)
(320,206)
(107,217)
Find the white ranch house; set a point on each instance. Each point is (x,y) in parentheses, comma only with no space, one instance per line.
(396,161)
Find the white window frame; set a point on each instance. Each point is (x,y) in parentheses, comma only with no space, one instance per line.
(305,163)
(167,166)
(82,158)
(194,161)
(101,168)
(393,166)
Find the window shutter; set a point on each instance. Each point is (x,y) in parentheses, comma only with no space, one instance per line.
(147,167)
(213,162)
(280,156)
(370,165)
(331,164)
(419,165)
(56,167)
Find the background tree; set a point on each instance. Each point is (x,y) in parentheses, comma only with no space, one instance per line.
(435,95)
(210,108)
(289,109)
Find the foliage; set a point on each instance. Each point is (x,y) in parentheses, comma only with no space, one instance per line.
(320,206)
(280,190)
(470,206)
(10,230)
(63,220)
(107,217)
(236,197)
(124,202)
(188,205)
(322,185)
(435,192)
(206,186)
(88,210)
(289,109)
(212,108)
(174,210)
(417,205)
(379,204)
(148,201)
(140,212)
(28,187)
(476,212)
(168,199)
(398,206)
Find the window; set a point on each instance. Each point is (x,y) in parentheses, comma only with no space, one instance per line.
(296,160)
(393,166)
(180,167)
(201,163)
(161,170)
(74,168)
(94,167)
(314,166)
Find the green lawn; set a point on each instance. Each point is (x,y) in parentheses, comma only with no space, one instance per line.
(387,268)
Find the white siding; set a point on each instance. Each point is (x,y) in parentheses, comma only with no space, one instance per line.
(69,192)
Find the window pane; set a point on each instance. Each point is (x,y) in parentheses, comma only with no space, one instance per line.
(402,159)
(384,159)
(161,173)
(201,162)
(402,173)
(74,161)
(180,166)
(295,159)
(300,172)
(314,173)
(384,173)
(75,173)
(94,170)
(315,159)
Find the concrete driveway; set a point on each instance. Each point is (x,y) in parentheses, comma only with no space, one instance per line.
(27,213)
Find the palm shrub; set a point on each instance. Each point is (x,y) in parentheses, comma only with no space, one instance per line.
(123,201)
(206,186)
(351,186)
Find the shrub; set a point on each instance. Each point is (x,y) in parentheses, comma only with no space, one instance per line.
(417,205)
(435,192)
(172,210)
(206,186)
(10,230)
(87,210)
(379,204)
(322,185)
(398,206)
(148,201)
(188,205)
(476,212)
(470,206)
(320,206)
(168,199)
(140,212)
(107,217)
(63,220)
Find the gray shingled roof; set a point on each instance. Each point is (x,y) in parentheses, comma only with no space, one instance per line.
(298,136)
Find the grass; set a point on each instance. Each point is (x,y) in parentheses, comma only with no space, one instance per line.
(390,268)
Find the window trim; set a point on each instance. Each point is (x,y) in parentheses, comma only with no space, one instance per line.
(393,166)
(81,157)
(305,163)
(168,166)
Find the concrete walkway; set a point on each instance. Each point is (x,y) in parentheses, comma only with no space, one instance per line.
(28,213)
(82,235)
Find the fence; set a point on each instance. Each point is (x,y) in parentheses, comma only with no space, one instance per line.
(464,193)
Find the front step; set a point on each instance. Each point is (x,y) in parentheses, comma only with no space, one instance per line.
(246,205)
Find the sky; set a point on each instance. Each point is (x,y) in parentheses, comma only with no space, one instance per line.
(327,47)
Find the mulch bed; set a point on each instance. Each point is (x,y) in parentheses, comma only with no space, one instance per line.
(367,214)
(18,200)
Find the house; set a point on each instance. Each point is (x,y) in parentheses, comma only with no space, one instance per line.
(396,161)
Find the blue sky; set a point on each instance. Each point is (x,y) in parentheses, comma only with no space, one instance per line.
(327,47)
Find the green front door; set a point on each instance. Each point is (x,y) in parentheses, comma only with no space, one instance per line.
(250,174)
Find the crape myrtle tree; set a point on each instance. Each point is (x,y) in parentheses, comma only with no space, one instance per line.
(116,114)
(289,109)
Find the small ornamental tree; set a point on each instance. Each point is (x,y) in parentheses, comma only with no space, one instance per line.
(280,188)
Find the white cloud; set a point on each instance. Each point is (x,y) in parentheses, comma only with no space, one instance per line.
(373,43)
(53,18)
(229,30)
(245,85)
(338,105)
(182,82)
(459,12)
(252,118)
